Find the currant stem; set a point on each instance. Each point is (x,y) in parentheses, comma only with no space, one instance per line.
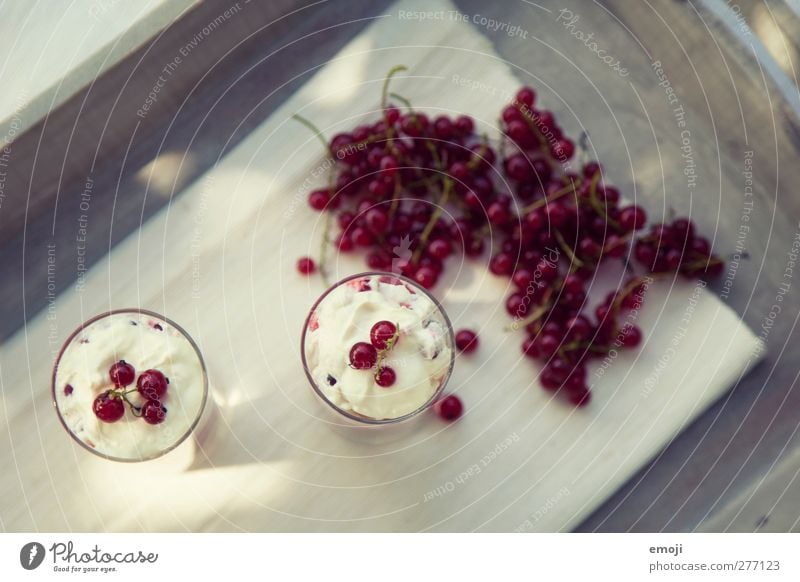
(315,130)
(437,212)
(552,198)
(385,92)
(574,260)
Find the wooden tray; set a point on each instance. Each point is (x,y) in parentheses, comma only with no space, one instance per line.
(220,258)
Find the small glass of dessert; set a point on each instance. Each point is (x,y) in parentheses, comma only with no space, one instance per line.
(130,385)
(377,349)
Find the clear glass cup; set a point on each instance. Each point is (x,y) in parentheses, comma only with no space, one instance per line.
(354,419)
(126,334)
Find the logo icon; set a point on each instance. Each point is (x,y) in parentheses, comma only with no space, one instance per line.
(402,255)
(31,555)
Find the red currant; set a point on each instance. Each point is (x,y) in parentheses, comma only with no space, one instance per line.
(108,407)
(306,265)
(466,341)
(152,384)
(382,333)
(385,377)
(153,412)
(122,374)
(450,407)
(363,356)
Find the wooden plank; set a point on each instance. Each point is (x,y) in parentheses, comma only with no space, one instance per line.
(220,260)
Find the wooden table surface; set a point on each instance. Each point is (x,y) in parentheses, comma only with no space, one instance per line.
(732,105)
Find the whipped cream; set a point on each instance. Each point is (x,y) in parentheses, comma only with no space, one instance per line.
(146,342)
(421,357)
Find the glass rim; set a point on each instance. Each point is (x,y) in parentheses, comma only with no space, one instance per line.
(364,419)
(166,320)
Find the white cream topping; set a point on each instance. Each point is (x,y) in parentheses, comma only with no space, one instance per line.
(420,357)
(137,339)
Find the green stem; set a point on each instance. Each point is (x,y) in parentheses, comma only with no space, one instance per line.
(437,212)
(552,198)
(402,100)
(534,316)
(315,130)
(566,248)
(385,92)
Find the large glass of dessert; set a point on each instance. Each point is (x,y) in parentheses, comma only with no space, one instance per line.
(377,349)
(130,385)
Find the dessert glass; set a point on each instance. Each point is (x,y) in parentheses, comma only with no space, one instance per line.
(148,340)
(433,332)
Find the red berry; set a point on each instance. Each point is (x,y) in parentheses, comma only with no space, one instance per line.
(497,213)
(501,264)
(632,218)
(519,131)
(377,220)
(450,407)
(344,242)
(459,171)
(363,356)
(440,249)
(530,348)
(319,199)
(152,384)
(548,344)
(381,333)
(122,374)
(564,149)
(518,167)
(517,304)
(153,412)
(526,96)
(362,237)
(426,276)
(466,341)
(306,265)
(580,397)
(385,377)
(108,407)
(631,336)
(464,124)
(702,246)
(511,113)
(578,328)
(442,127)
